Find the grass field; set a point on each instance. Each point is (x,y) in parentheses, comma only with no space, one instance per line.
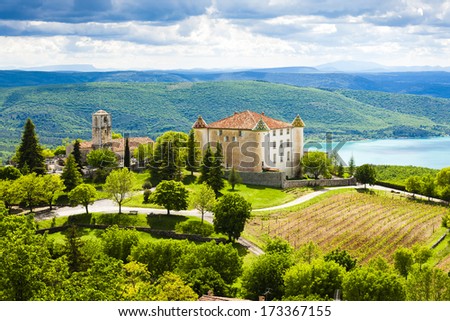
(365,224)
(258,196)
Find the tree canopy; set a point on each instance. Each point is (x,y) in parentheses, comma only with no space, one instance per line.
(366,174)
(29,154)
(172,195)
(119,185)
(230,215)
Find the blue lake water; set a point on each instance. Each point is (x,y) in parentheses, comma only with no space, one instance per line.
(429,152)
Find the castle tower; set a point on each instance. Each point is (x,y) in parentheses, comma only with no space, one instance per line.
(201,133)
(101,129)
(297,139)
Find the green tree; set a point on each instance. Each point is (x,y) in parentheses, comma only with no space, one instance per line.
(83,194)
(9,173)
(403,260)
(70,175)
(31,189)
(203,199)
(192,157)
(205,279)
(118,242)
(29,154)
(341,257)
(234,178)
(413,185)
(351,166)
(102,158)
(230,215)
(366,174)
(170,155)
(207,164)
(215,177)
(443,184)
(119,185)
(76,258)
(24,261)
(278,245)
(170,287)
(421,254)
(172,195)
(316,163)
(222,258)
(265,276)
(10,193)
(319,278)
(160,255)
(308,252)
(428,186)
(53,185)
(127,155)
(367,284)
(77,155)
(427,284)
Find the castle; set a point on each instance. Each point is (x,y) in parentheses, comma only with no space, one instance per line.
(102,138)
(253,142)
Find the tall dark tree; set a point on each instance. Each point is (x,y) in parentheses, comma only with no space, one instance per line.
(70,175)
(77,155)
(215,179)
(207,164)
(126,155)
(169,156)
(234,178)
(192,161)
(29,154)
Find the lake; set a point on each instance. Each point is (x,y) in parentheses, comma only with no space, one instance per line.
(428,152)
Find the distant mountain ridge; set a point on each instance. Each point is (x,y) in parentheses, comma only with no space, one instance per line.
(430,83)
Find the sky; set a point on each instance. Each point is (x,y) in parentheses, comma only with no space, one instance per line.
(221,34)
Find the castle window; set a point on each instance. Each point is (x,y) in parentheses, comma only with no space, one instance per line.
(274,158)
(287,131)
(288,156)
(274,133)
(234,139)
(288,143)
(219,132)
(281,158)
(225,139)
(241,133)
(281,132)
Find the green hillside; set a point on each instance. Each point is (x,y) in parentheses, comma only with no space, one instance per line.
(60,111)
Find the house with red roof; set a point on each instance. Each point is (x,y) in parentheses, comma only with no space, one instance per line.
(254,142)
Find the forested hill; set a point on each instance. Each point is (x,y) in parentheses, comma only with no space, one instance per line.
(60,111)
(431,83)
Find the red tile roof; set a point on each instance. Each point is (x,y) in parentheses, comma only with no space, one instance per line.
(248,120)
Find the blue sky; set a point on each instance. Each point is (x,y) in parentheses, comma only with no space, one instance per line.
(171,34)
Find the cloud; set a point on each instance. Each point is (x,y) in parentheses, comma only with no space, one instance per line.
(76,11)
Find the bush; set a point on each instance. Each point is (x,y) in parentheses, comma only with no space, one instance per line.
(194,227)
(147,194)
(147,185)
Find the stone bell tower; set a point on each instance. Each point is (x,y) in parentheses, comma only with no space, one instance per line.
(101,129)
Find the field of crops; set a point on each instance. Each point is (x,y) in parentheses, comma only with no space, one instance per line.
(365,224)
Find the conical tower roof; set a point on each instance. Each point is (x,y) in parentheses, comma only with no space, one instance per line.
(200,123)
(261,126)
(298,122)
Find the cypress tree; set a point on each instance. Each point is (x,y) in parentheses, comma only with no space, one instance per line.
(77,155)
(70,175)
(207,164)
(234,178)
(126,156)
(215,179)
(192,156)
(30,155)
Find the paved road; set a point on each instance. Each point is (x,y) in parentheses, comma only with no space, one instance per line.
(108,206)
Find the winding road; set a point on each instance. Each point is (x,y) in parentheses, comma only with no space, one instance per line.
(108,206)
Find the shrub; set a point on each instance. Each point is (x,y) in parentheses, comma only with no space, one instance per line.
(194,227)
(147,194)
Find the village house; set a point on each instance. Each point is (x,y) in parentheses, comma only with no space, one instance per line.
(254,142)
(102,138)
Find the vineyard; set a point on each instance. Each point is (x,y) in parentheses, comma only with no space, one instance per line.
(366,224)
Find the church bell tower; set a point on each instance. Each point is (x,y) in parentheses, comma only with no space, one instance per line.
(101,129)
